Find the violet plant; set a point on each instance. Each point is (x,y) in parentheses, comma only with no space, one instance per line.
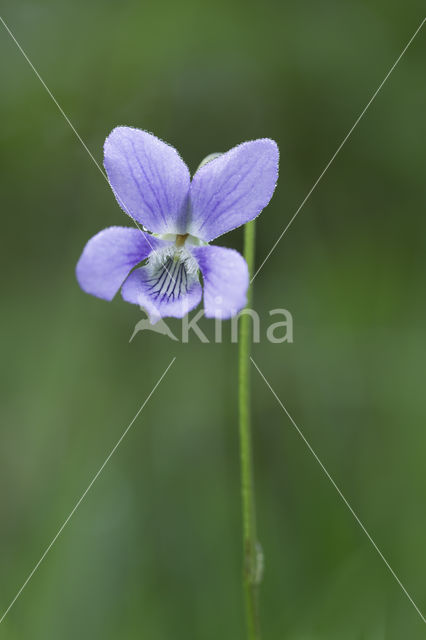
(160,264)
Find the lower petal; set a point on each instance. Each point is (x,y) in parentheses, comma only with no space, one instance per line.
(226,280)
(168,286)
(109,256)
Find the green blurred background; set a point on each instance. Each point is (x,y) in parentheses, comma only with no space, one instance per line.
(154,550)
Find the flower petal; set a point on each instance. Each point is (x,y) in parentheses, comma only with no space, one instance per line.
(149,179)
(109,256)
(226,280)
(168,289)
(233,189)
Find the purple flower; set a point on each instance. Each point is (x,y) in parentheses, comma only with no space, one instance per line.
(152,184)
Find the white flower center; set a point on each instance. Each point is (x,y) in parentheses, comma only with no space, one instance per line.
(181,239)
(172,271)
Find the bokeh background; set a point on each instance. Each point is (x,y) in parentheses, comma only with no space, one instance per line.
(154,550)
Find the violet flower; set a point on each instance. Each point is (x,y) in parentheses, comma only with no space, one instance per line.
(152,184)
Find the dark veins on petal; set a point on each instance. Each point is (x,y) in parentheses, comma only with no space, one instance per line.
(169,282)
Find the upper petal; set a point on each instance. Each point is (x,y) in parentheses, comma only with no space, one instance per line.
(226,280)
(233,189)
(109,256)
(149,179)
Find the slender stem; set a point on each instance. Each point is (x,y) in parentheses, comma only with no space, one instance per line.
(251,567)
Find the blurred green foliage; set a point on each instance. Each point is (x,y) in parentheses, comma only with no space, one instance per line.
(154,550)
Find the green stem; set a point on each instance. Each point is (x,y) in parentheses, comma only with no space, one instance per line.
(250,546)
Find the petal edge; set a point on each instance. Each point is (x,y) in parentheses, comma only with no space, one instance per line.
(149,179)
(226,280)
(233,188)
(108,257)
